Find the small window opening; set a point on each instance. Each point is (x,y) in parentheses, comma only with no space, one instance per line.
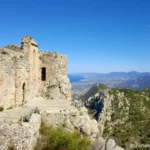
(23,93)
(43,74)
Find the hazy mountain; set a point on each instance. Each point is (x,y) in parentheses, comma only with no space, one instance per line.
(141,82)
(133,80)
(112,75)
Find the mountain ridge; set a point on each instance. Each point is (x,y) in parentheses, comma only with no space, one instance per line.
(124,113)
(131,74)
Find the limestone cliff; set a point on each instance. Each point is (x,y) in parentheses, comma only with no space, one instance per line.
(122,114)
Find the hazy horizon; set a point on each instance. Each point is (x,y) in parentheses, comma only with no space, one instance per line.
(108,72)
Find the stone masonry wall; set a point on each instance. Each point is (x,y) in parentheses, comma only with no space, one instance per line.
(20,74)
(56,84)
(13,78)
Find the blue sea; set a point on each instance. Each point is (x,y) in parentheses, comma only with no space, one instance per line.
(74,78)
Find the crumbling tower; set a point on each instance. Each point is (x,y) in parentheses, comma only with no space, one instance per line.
(30,48)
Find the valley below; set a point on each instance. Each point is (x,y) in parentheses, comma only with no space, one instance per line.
(121,106)
(82,82)
(122,114)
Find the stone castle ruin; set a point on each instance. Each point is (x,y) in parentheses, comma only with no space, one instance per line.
(26,72)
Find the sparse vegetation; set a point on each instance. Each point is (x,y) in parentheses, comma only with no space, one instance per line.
(136,128)
(59,138)
(10,108)
(27,117)
(1,108)
(49,89)
(21,56)
(4,52)
(36,110)
(11,147)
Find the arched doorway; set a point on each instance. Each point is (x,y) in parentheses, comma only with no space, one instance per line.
(23,93)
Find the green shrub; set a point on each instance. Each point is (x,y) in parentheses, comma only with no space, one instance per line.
(10,108)
(59,138)
(1,108)
(27,117)
(21,56)
(11,147)
(4,52)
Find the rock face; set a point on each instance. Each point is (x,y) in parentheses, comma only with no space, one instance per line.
(124,116)
(57,84)
(101,144)
(80,120)
(105,114)
(25,73)
(16,136)
(73,119)
(99,100)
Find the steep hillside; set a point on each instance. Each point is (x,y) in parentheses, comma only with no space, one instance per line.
(129,115)
(95,89)
(130,119)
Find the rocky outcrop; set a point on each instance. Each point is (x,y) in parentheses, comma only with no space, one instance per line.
(57,84)
(105,114)
(73,119)
(13,47)
(80,120)
(24,135)
(20,136)
(100,103)
(102,144)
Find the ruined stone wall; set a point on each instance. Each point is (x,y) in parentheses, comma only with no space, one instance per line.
(30,48)
(21,74)
(56,83)
(13,78)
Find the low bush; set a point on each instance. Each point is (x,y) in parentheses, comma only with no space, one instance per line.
(4,52)
(11,147)
(1,108)
(27,117)
(60,139)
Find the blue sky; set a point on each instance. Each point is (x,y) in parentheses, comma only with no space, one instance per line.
(97,35)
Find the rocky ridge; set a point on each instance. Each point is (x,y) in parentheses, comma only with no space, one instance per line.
(122,114)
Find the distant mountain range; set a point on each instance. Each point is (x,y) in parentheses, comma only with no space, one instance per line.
(133,80)
(112,75)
